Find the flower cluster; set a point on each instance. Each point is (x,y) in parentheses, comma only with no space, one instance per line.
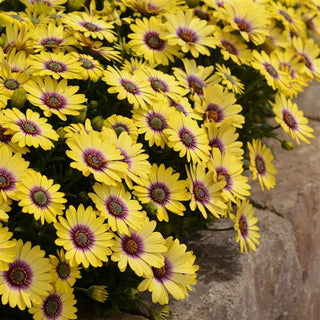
(126,124)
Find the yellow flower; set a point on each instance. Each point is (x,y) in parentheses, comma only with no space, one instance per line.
(98,293)
(84,237)
(7,248)
(245,225)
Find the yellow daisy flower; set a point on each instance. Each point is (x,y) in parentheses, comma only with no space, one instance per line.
(28,278)
(90,26)
(12,167)
(182,104)
(92,154)
(84,237)
(90,68)
(5,139)
(7,248)
(39,196)
(175,277)
(190,33)
(193,77)
(141,250)
(55,97)
(153,123)
(17,61)
(148,41)
(187,138)
(291,119)
(29,129)
(223,75)
(116,205)
(218,106)
(56,305)
(76,128)
(133,87)
(63,274)
(164,188)
(232,47)
(205,193)
(225,138)
(245,225)
(57,65)
(4,209)
(119,124)
(226,167)
(261,164)
(247,17)
(134,156)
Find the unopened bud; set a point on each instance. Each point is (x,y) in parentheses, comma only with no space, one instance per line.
(19,98)
(287,145)
(81,117)
(98,293)
(132,293)
(61,132)
(93,104)
(97,122)
(151,208)
(75,5)
(192,3)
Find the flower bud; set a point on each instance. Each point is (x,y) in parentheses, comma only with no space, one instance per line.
(287,145)
(151,208)
(132,293)
(19,98)
(93,104)
(98,293)
(81,117)
(192,3)
(61,132)
(97,122)
(75,5)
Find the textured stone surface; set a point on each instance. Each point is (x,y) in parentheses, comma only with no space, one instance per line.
(236,286)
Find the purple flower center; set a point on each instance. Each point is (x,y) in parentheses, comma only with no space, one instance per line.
(5,138)
(130,86)
(164,272)
(243,226)
(201,14)
(187,35)
(216,143)
(90,26)
(187,138)
(229,47)
(271,70)
(200,192)
(260,165)
(82,237)
(153,41)
(306,60)
(120,127)
(223,175)
(19,275)
(243,25)
(51,42)
(94,159)
(63,270)
(196,84)
(7,181)
(157,122)
(159,193)
(56,66)
(289,120)
(179,107)
(86,63)
(133,245)
(40,197)
(29,127)
(158,85)
(116,207)
(52,306)
(54,100)
(214,113)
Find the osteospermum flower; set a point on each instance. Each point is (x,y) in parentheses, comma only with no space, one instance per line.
(226,167)
(5,139)
(93,155)
(245,225)
(187,138)
(224,75)
(190,33)
(76,128)
(116,205)
(55,97)
(175,277)
(205,193)
(119,124)
(133,87)
(12,167)
(291,119)
(7,248)
(90,26)
(29,129)
(57,305)
(164,188)
(218,106)
(261,164)
(63,274)
(153,122)
(142,250)
(134,155)
(57,65)
(195,78)
(148,41)
(90,68)
(84,237)
(39,196)
(28,277)
(4,209)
